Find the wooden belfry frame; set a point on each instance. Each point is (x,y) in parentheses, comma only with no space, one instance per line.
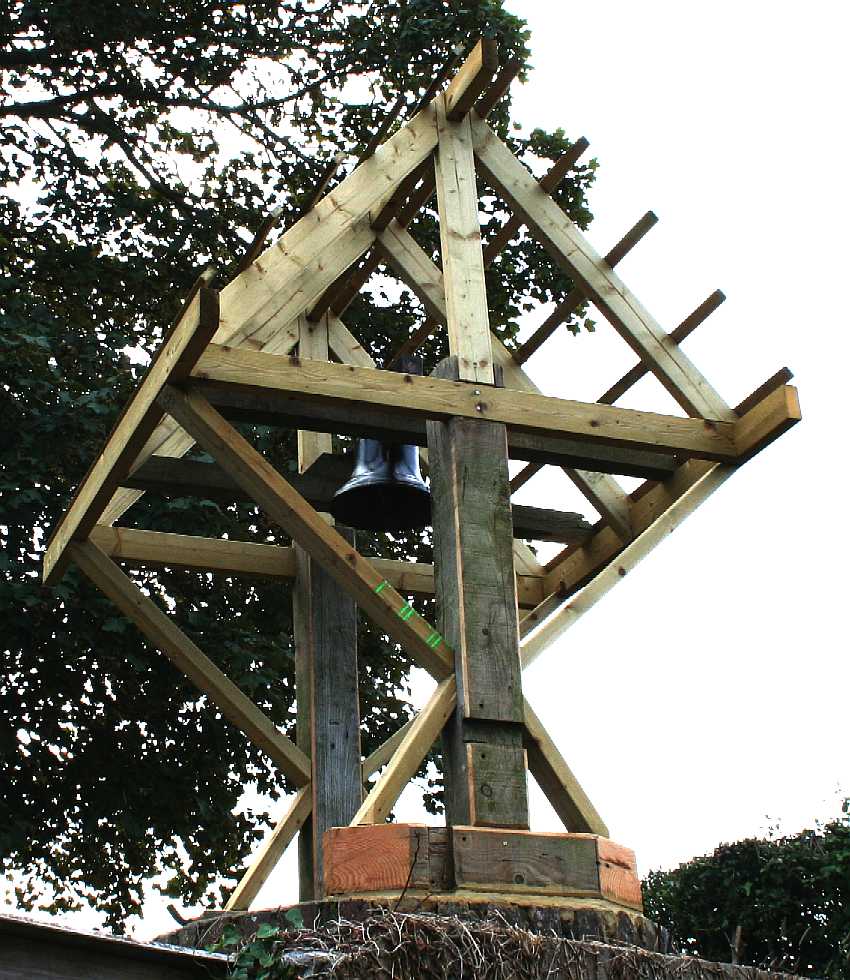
(229,355)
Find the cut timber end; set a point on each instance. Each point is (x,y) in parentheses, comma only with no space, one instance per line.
(462,860)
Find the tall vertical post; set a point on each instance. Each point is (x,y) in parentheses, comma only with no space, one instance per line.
(328,715)
(475,585)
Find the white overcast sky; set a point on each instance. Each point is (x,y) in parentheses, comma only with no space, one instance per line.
(706,697)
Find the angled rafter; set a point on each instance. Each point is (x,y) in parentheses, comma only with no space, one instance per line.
(684,329)
(165,635)
(556,779)
(286,507)
(570,249)
(185,342)
(548,183)
(573,300)
(568,613)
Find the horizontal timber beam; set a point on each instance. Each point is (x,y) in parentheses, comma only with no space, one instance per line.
(192,477)
(431,398)
(158,549)
(269,406)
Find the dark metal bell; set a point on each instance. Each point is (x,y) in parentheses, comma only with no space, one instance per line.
(386,491)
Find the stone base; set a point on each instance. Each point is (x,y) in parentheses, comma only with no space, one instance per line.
(566,918)
(520,866)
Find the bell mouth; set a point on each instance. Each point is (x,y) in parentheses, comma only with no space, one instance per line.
(383,506)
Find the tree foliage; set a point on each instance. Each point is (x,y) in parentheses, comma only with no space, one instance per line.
(781,903)
(141,142)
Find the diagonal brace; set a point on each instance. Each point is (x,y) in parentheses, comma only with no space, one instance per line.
(184,654)
(290,510)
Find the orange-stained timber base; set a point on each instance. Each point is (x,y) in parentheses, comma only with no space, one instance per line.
(413,858)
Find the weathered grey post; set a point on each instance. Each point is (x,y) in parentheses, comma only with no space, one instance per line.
(328,715)
(473,537)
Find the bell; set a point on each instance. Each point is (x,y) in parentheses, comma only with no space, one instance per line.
(386,491)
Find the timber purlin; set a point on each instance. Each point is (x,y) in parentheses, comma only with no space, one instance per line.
(264,350)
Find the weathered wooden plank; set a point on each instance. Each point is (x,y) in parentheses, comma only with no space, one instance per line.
(472,547)
(472,78)
(560,236)
(497,787)
(519,861)
(471,517)
(327,639)
(416,744)
(185,655)
(433,398)
(175,358)
(556,779)
(373,594)
(303,655)
(157,549)
(460,240)
(271,850)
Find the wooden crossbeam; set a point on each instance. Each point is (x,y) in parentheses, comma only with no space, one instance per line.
(184,654)
(384,752)
(285,506)
(402,395)
(416,744)
(270,852)
(180,350)
(161,549)
(575,297)
(569,248)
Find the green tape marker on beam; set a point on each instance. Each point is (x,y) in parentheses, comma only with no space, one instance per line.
(408,612)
